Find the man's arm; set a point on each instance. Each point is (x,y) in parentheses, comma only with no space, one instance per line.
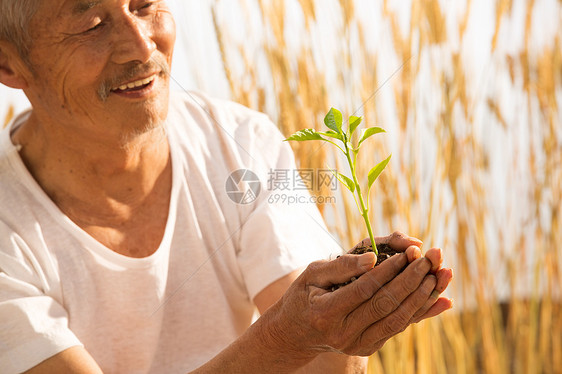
(357,319)
(75,360)
(325,363)
(337,362)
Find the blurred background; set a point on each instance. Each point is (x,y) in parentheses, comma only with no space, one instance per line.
(469,93)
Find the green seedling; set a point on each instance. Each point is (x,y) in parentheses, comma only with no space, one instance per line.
(333,121)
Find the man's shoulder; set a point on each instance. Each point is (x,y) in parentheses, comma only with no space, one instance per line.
(15,198)
(220,112)
(194,112)
(198,100)
(18,198)
(11,173)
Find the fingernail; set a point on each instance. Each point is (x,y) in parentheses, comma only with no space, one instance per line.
(419,242)
(435,294)
(367,260)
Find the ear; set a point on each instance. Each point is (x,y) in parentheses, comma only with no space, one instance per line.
(13,70)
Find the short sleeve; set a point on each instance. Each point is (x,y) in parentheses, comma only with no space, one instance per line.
(34,326)
(277,240)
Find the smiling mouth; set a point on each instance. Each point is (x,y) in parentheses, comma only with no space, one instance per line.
(135,85)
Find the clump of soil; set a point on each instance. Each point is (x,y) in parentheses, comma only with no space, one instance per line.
(385,252)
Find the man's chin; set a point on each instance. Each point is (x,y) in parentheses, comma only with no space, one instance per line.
(140,120)
(152,131)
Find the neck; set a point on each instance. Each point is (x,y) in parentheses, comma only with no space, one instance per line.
(94,172)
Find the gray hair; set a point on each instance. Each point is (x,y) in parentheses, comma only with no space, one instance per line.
(15,16)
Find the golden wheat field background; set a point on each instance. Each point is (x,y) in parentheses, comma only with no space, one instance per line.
(469,93)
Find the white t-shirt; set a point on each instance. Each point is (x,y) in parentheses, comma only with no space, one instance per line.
(176,309)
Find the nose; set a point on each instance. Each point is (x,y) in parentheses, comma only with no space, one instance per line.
(133,40)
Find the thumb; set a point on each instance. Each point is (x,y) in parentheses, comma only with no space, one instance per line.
(342,269)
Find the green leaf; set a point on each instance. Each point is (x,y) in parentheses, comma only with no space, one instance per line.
(353,123)
(334,120)
(306,134)
(368,133)
(331,134)
(377,170)
(346,181)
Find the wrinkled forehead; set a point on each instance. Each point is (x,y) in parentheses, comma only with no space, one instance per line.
(82,6)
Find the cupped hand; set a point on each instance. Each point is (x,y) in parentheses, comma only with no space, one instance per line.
(359,318)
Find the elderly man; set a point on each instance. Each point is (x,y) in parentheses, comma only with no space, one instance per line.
(120,250)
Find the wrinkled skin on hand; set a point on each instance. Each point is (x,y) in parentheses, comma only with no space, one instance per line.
(359,318)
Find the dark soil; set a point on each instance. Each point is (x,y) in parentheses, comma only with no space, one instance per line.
(385,252)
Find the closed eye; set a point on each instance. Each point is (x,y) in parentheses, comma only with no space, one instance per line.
(96,27)
(146,6)
(94,24)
